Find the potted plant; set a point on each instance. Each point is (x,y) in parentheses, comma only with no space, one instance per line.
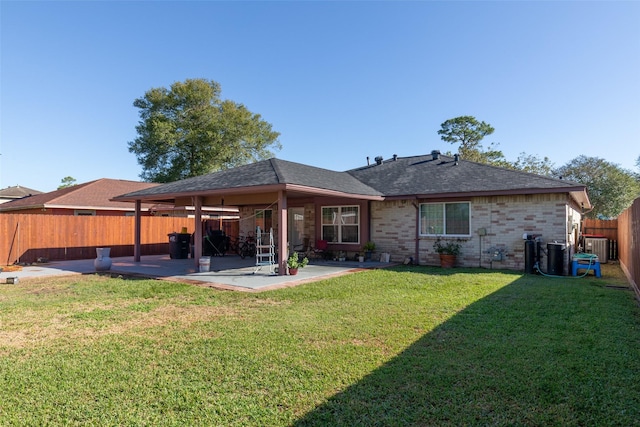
(368,248)
(448,251)
(294,263)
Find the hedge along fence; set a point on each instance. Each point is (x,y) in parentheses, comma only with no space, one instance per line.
(28,237)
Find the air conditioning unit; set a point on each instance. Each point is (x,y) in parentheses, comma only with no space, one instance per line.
(598,246)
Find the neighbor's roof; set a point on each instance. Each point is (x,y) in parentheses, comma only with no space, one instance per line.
(400,177)
(17,192)
(90,195)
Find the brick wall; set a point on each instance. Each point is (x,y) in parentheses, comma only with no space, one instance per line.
(505,219)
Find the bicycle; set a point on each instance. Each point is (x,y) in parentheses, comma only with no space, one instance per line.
(234,244)
(247,247)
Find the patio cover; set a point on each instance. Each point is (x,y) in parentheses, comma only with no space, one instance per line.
(268,181)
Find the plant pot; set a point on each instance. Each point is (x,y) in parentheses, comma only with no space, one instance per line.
(360,259)
(103,261)
(293,271)
(447,261)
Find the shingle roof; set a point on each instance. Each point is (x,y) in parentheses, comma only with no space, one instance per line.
(265,173)
(403,176)
(422,175)
(17,192)
(90,195)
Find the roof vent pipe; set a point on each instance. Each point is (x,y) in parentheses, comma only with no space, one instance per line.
(367,160)
(395,157)
(378,160)
(456,158)
(435,154)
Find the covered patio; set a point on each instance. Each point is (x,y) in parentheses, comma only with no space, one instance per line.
(294,193)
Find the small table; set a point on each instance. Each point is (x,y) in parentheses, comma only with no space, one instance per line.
(585,262)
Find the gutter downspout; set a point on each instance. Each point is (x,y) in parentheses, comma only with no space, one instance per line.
(137,233)
(370,227)
(417,254)
(283,232)
(197,238)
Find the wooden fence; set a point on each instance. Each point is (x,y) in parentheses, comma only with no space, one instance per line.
(629,243)
(28,237)
(604,228)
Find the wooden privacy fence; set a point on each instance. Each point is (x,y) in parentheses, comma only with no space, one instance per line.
(28,237)
(603,228)
(629,243)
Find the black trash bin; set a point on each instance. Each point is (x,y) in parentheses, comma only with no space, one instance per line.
(555,259)
(179,245)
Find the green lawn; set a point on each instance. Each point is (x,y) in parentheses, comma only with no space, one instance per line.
(403,346)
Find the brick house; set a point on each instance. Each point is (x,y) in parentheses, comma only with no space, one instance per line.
(402,204)
(93,198)
(88,199)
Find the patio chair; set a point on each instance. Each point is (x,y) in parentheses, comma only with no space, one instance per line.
(304,249)
(320,250)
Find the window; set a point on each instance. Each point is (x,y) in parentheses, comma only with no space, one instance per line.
(341,224)
(445,219)
(264,219)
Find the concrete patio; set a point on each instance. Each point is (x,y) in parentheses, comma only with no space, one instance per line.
(229,272)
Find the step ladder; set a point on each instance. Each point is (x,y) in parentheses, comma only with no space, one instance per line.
(265,251)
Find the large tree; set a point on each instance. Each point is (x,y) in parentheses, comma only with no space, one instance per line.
(533,164)
(188,130)
(611,189)
(469,132)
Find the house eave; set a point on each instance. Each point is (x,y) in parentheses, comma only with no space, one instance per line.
(171,197)
(68,207)
(577,193)
(315,191)
(293,189)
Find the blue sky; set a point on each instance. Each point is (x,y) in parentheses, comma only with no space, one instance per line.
(339,80)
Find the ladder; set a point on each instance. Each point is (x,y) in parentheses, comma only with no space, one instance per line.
(265,250)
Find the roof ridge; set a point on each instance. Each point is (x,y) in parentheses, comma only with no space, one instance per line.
(278,170)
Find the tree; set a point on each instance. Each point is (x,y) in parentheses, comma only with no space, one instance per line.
(188,130)
(469,132)
(67,181)
(534,164)
(611,189)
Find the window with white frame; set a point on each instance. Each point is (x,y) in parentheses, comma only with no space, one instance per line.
(341,224)
(445,219)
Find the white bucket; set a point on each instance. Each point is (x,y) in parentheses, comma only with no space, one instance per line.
(205,264)
(384,257)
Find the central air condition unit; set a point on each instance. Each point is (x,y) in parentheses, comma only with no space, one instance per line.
(598,246)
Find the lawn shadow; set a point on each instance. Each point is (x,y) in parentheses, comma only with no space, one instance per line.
(527,354)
